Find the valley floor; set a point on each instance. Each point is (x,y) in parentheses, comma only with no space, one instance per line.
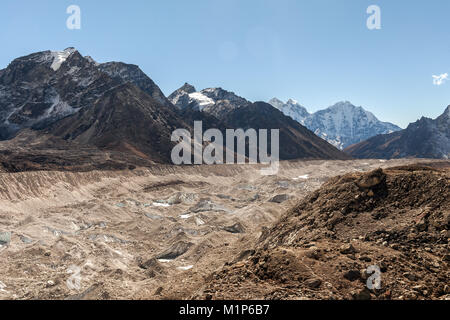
(153,233)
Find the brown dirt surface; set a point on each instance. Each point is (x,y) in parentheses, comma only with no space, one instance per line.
(397,219)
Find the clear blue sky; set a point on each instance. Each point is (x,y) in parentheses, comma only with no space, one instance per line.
(317,52)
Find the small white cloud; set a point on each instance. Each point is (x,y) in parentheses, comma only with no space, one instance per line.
(440,79)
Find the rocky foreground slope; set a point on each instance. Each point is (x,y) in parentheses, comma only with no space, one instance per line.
(396,219)
(154,233)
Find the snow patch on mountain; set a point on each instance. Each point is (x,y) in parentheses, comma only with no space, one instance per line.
(133,74)
(291,109)
(201,100)
(59,57)
(59,108)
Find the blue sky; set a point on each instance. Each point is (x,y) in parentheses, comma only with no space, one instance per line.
(317,52)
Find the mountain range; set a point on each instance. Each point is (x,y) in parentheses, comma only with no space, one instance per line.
(75,102)
(63,109)
(426,138)
(342,124)
(214,101)
(228,110)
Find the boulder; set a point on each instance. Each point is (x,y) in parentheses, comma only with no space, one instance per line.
(5,238)
(235,228)
(280,198)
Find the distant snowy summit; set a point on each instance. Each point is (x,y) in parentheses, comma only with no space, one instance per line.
(292,109)
(342,124)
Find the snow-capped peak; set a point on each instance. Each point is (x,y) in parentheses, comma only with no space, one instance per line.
(342,124)
(277,103)
(59,57)
(292,109)
(351,111)
(214,101)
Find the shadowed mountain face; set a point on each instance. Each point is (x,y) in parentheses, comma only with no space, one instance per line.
(47,86)
(124,119)
(111,106)
(296,142)
(426,138)
(132,73)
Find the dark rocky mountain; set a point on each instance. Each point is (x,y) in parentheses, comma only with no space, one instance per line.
(63,100)
(47,86)
(296,141)
(132,73)
(113,106)
(125,119)
(426,138)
